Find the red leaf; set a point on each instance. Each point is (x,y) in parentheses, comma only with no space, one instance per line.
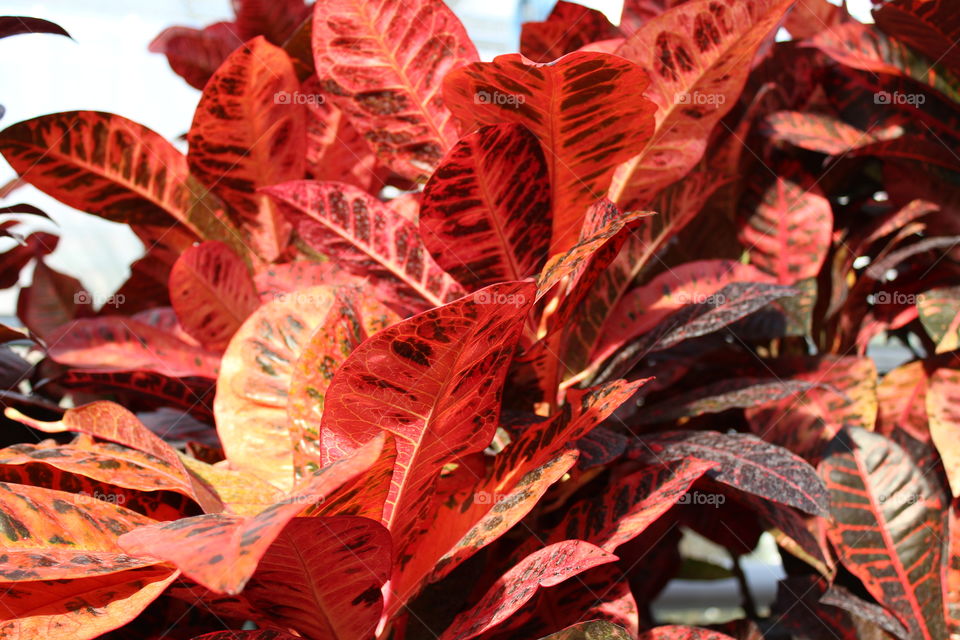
(212,293)
(15,25)
(50,301)
(382,64)
(545,568)
(220,551)
(336,152)
(33,609)
(485,214)
(275,280)
(672,632)
(252,390)
(698,57)
(887,527)
(816,132)
(248,132)
(322,577)
(195,54)
(929,27)
(746,463)
(368,238)
(571,105)
(434,382)
(569,27)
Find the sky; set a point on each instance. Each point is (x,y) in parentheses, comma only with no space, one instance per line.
(107,67)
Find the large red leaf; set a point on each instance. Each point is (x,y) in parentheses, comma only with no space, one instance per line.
(115,168)
(221,551)
(322,577)
(251,401)
(117,343)
(568,27)
(248,132)
(943,409)
(85,608)
(521,474)
(697,55)
(588,110)
(887,527)
(631,504)
(485,213)
(382,64)
(746,463)
(544,568)
(368,238)
(55,535)
(434,382)
(212,293)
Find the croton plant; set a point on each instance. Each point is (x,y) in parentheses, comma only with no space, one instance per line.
(423,346)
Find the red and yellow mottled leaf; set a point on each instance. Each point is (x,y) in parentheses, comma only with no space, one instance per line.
(698,57)
(368,238)
(322,577)
(248,132)
(816,132)
(115,168)
(746,463)
(940,314)
(212,293)
(54,535)
(241,493)
(943,409)
(434,382)
(569,27)
(382,63)
(118,343)
(887,527)
(252,390)
(547,567)
(485,213)
(588,109)
(221,551)
(82,609)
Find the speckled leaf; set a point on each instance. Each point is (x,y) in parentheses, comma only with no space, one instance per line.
(54,535)
(746,463)
(940,314)
(943,409)
(248,131)
(252,390)
(698,56)
(322,577)
(115,168)
(82,609)
(368,238)
(886,525)
(221,551)
(434,382)
(485,214)
(568,27)
(675,632)
(212,293)
(382,64)
(629,505)
(547,567)
(588,109)
(118,343)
